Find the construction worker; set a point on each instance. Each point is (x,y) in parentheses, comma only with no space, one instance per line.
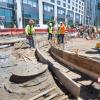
(50,31)
(29,30)
(62,31)
(58,34)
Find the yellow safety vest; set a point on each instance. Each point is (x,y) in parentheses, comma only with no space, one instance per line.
(29,30)
(50,30)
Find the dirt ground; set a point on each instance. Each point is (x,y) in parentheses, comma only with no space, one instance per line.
(84,47)
(14,88)
(8,61)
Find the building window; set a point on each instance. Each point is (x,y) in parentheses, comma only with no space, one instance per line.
(64,0)
(53,1)
(82,12)
(77,16)
(7,1)
(11,1)
(69,6)
(30,10)
(48,8)
(48,12)
(76,0)
(61,12)
(34,4)
(68,1)
(76,5)
(30,2)
(25,1)
(8,12)
(2,12)
(8,16)
(76,9)
(64,5)
(58,2)
(72,8)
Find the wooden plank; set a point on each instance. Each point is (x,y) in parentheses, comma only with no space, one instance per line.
(41,57)
(41,94)
(63,98)
(52,96)
(91,74)
(2,42)
(83,64)
(68,83)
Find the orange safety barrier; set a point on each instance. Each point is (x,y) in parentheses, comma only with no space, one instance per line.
(16,31)
(11,31)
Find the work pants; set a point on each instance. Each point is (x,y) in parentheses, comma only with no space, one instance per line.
(31,41)
(62,38)
(49,36)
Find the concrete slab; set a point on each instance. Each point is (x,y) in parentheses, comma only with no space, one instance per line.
(29,69)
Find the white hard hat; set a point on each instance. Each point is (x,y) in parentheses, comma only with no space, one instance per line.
(60,22)
(50,24)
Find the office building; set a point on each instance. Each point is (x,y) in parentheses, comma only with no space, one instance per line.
(20,11)
(7,13)
(89,15)
(97,17)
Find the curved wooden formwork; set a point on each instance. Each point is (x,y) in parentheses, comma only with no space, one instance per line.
(68,83)
(85,65)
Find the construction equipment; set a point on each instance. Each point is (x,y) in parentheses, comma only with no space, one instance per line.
(98,45)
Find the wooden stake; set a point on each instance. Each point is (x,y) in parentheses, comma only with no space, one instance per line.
(41,94)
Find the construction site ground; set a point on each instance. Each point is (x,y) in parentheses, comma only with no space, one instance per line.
(25,91)
(85,47)
(23,77)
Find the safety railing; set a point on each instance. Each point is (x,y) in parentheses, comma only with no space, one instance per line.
(16,31)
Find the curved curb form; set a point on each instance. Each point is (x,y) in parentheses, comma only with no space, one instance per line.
(85,65)
(68,83)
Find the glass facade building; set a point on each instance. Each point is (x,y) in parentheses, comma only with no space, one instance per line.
(77,18)
(61,14)
(30,9)
(20,11)
(97,17)
(70,17)
(48,12)
(89,15)
(7,12)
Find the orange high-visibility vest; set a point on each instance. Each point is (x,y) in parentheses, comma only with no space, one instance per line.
(62,29)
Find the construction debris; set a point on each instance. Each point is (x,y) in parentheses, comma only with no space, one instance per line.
(22,76)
